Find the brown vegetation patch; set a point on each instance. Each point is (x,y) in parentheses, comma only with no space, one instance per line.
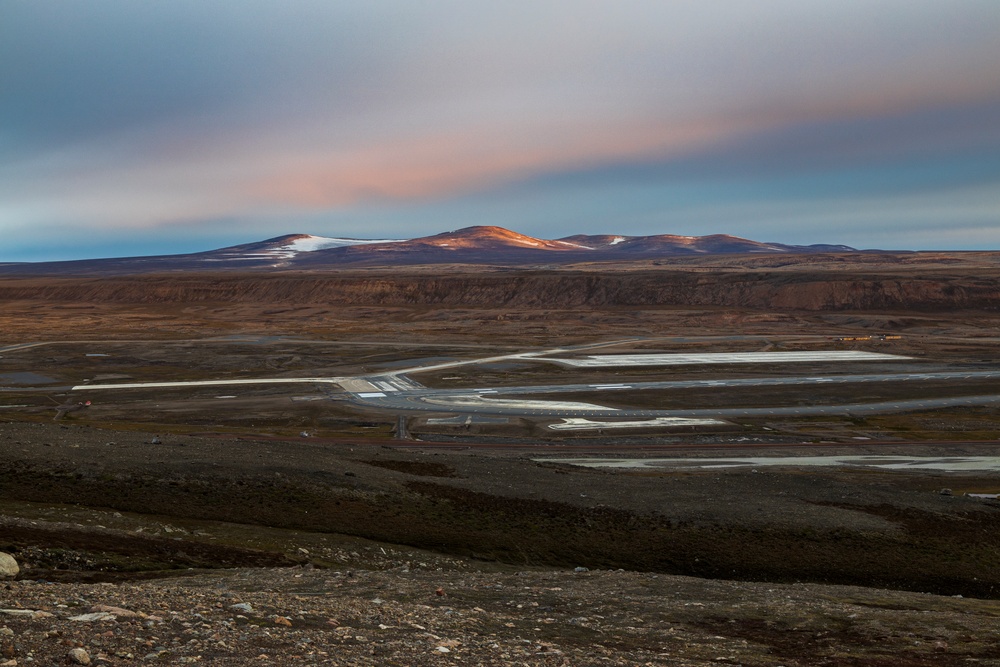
(66,553)
(419,468)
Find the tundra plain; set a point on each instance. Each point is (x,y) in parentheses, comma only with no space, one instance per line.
(762,566)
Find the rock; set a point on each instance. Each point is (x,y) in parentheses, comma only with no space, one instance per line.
(242,607)
(8,566)
(96,616)
(946,492)
(116,611)
(282,620)
(79,656)
(17,612)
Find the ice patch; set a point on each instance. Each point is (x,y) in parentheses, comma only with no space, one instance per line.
(579,424)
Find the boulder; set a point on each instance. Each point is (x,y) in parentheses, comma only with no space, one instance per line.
(8,566)
(79,656)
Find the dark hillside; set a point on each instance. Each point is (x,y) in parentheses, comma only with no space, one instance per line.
(766,290)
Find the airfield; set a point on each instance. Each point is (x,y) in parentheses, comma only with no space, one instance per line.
(640,385)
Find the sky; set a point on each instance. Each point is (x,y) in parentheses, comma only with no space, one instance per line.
(167,126)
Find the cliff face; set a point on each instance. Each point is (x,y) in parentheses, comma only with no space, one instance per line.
(537,290)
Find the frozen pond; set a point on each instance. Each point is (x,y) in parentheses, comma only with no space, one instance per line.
(938,463)
(26,377)
(580,424)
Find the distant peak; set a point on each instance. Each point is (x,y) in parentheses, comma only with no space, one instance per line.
(286,238)
(479,231)
(490,236)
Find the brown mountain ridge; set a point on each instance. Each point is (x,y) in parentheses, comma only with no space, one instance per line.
(478,245)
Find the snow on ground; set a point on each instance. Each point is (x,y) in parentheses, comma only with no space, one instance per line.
(676,359)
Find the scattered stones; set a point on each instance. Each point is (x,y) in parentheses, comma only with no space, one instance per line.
(8,565)
(543,617)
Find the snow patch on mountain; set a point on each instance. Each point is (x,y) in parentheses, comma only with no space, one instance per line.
(311,243)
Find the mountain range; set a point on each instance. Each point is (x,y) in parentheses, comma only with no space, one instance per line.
(471,245)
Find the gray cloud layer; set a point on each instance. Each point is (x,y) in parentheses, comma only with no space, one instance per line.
(152,116)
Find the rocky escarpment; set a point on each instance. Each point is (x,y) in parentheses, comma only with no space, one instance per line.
(771,290)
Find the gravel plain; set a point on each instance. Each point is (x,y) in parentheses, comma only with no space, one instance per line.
(295,616)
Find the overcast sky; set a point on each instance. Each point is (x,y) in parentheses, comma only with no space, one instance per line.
(168,126)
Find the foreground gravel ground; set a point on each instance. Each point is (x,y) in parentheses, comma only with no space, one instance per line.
(296,616)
